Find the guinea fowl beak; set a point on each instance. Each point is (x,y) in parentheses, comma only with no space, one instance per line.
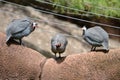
(36,26)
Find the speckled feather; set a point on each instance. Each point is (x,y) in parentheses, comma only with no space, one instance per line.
(19,28)
(59,38)
(96,36)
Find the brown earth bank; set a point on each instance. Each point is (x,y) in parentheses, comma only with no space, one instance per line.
(18,62)
(21,63)
(88,66)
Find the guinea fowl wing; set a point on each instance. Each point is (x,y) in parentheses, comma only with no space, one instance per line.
(94,36)
(19,26)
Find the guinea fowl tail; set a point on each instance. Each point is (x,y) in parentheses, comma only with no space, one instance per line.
(105,45)
(8,38)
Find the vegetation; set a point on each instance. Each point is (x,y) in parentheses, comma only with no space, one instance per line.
(104,7)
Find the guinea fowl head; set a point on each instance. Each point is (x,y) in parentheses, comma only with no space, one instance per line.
(34,25)
(84,29)
(58,45)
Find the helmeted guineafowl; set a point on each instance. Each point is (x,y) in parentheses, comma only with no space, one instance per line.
(96,36)
(58,44)
(19,28)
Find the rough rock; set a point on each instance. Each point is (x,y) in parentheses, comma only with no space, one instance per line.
(19,62)
(87,66)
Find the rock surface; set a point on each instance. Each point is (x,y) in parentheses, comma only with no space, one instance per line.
(21,63)
(87,66)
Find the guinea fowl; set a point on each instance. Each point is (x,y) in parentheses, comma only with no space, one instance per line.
(96,36)
(58,44)
(19,28)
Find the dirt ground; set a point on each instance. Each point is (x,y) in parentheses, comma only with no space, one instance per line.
(48,27)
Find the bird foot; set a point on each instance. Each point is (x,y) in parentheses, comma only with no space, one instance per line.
(22,44)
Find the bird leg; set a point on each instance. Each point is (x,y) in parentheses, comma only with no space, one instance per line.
(59,55)
(55,54)
(21,43)
(92,48)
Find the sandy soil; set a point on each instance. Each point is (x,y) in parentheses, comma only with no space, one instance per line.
(48,27)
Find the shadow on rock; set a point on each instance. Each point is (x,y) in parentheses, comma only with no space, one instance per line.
(102,50)
(11,41)
(60,59)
